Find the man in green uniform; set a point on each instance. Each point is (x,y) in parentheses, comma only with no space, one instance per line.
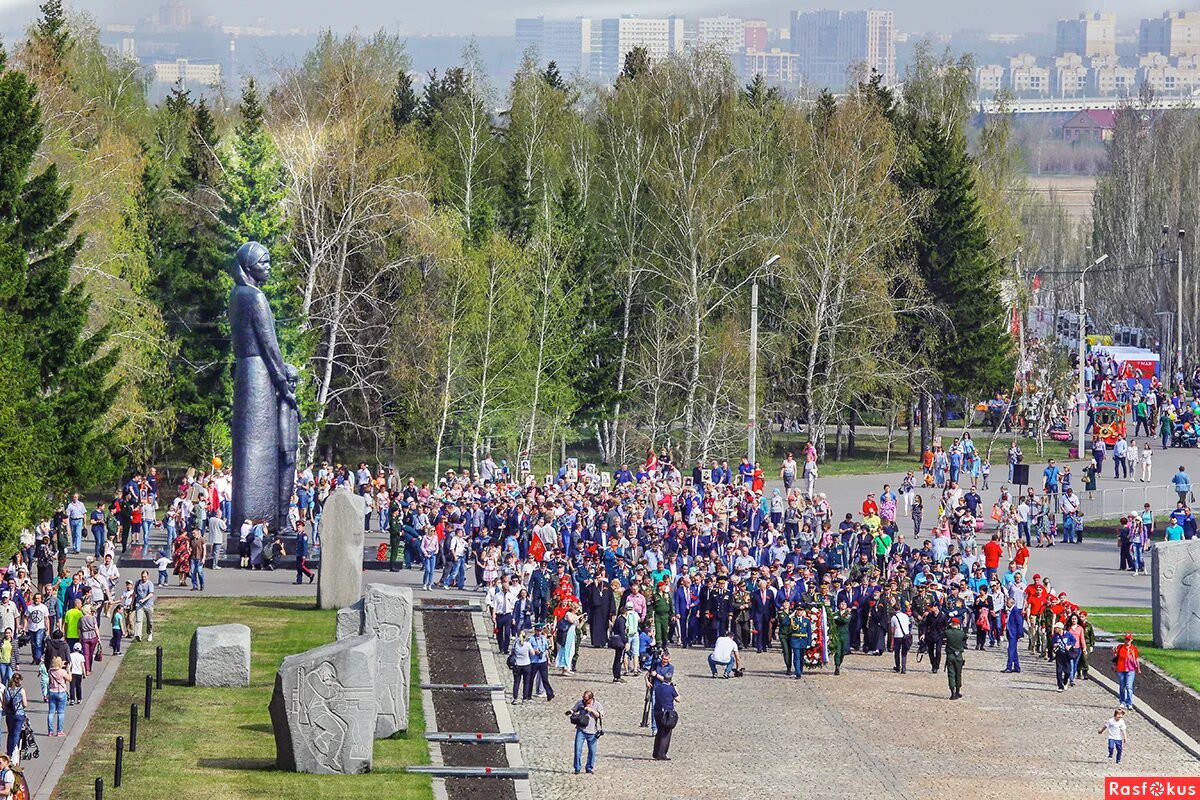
(663,611)
(1089,642)
(956,646)
(785,623)
(841,635)
(395,538)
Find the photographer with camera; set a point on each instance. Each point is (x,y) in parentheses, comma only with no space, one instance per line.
(587,715)
(661,669)
(665,718)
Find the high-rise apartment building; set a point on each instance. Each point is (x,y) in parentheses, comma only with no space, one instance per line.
(566,42)
(1088,36)
(756,34)
(777,66)
(660,36)
(830,43)
(726,34)
(1172,34)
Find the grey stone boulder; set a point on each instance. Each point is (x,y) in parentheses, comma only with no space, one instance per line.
(339,577)
(220,656)
(323,708)
(386,612)
(1175,594)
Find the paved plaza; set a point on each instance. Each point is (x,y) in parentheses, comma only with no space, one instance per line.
(869,733)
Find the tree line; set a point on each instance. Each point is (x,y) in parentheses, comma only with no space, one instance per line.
(501,269)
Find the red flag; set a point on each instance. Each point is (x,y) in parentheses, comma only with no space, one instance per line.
(537,549)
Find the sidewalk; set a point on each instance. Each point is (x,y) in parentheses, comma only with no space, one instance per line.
(42,773)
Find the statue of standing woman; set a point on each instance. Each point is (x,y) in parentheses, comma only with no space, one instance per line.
(265,415)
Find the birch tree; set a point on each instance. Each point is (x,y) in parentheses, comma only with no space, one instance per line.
(354,196)
(697,241)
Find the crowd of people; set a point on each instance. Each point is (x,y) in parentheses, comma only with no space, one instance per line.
(652,560)
(638,561)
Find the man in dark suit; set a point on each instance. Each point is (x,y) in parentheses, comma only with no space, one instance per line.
(933,631)
(762,609)
(686,604)
(704,610)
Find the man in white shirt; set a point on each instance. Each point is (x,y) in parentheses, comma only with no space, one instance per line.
(76,512)
(503,603)
(901,625)
(724,654)
(110,573)
(36,616)
(458,565)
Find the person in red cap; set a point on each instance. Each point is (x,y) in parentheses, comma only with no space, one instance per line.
(1127,665)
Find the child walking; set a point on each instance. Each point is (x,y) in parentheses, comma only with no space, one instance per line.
(162,563)
(77,669)
(118,629)
(1115,728)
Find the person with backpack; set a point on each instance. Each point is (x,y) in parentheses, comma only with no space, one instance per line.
(15,705)
(587,715)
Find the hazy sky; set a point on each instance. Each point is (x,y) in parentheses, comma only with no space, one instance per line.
(414,17)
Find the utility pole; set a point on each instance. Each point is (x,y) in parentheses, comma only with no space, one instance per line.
(1082,400)
(752,405)
(1179,306)
(1020,333)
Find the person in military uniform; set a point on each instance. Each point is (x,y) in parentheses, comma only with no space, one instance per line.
(785,623)
(801,637)
(1089,643)
(664,610)
(956,646)
(395,537)
(741,615)
(840,621)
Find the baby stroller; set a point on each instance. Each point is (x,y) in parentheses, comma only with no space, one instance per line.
(29,745)
(1184,436)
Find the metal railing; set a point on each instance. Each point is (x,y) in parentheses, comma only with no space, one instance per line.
(1114,501)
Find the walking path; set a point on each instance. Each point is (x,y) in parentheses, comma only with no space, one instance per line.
(867,733)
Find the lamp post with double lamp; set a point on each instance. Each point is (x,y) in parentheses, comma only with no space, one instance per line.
(752,406)
(1083,348)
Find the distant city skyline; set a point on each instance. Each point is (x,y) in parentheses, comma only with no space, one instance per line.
(466,17)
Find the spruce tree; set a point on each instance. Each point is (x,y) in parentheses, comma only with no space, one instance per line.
(553,76)
(970,349)
(193,289)
(51,38)
(55,384)
(404,103)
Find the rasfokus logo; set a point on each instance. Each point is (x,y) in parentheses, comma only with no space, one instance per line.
(1160,787)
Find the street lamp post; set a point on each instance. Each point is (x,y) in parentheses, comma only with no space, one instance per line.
(1082,401)
(1164,346)
(752,406)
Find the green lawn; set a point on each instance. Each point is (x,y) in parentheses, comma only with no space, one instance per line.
(1183,665)
(871,453)
(210,744)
